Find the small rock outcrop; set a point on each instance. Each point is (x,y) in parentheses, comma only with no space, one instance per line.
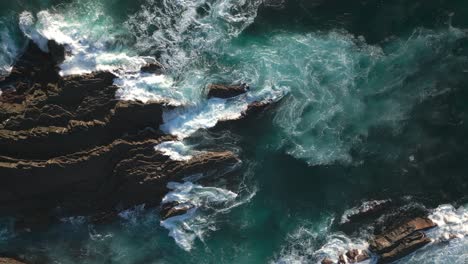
(154,67)
(226,91)
(172,209)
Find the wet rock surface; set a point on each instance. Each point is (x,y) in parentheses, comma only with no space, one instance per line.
(390,239)
(154,67)
(404,247)
(66,141)
(226,91)
(398,231)
(173,209)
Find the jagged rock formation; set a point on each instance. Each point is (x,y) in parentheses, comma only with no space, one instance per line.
(401,240)
(67,141)
(398,232)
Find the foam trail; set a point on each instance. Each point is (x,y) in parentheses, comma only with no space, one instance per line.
(200,26)
(305,246)
(8,51)
(364,207)
(196,221)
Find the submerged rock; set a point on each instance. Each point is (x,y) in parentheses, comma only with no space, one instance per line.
(226,91)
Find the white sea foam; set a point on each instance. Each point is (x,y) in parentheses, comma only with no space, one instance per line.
(305,245)
(176,150)
(148,87)
(450,243)
(204,203)
(183,122)
(87,50)
(451,222)
(364,207)
(181,39)
(8,51)
(338,244)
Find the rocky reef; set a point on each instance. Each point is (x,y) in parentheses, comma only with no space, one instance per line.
(68,142)
(399,230)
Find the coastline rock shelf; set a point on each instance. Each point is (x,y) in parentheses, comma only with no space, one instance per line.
(66,141)
(398,232)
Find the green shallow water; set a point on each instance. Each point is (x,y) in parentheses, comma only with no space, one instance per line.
(375,108)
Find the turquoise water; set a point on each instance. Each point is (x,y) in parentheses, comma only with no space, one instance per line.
(372,105)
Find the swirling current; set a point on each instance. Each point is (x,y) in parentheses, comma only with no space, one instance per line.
(370,104)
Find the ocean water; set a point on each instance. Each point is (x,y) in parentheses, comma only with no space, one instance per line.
(371,105)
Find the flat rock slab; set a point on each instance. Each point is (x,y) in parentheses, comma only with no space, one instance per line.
(388,240)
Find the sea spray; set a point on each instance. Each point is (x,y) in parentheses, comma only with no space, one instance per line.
(176,150)
(312,244)
(195,222)
(449,243)
(90,42)
(452,223)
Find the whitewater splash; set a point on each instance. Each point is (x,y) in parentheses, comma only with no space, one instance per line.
(8,51)
(450,243)
(87,46)
(313,244)
(451,223)
(176,150)
(204,203)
